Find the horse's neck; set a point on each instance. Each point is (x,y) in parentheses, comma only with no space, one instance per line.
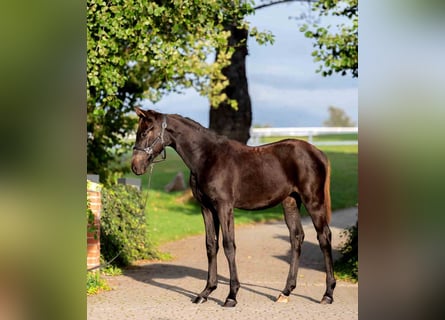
(191,144)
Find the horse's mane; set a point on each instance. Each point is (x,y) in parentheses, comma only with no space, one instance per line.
(198,127)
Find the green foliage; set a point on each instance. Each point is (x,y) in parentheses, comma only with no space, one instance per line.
(111,271)
(91,227)
(263,37)
(338,118)
(347,266)
(165,42)
(336,48)
(123,226)
(95,283)
(142,49)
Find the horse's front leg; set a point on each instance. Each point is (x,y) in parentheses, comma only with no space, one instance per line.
(225,214)
(212,235)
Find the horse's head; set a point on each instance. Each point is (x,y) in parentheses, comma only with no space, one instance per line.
(149,139)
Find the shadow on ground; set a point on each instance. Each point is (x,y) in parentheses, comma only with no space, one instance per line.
(311,256)
(161,274)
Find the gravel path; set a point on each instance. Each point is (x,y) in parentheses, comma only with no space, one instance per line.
(164,290)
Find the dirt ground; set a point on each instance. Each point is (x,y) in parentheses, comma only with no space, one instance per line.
(164,290)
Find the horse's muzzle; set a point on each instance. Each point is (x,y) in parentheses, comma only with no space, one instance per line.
(139,166)
(136,170)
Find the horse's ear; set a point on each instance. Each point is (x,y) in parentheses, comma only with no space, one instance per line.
(140,112)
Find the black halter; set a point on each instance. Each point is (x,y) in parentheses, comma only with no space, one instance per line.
(149,150)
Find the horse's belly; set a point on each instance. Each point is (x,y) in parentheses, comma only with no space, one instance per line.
(258,197)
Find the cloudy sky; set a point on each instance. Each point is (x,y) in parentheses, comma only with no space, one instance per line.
(284,88)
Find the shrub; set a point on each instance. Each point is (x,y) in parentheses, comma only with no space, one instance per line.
(91,227)
(347,266)
(123,227)
(95,283)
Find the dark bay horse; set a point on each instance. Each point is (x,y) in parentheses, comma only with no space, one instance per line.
(225,174)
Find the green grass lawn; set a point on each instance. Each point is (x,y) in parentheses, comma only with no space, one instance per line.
(172,216)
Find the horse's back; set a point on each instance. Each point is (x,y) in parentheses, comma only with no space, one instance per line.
(294,151)
(264,176)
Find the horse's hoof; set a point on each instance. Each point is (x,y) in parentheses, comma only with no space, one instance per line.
(326,300)
(199,300)
(230,303)
(282,298)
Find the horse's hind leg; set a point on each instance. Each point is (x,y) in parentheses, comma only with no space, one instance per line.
(291,206)
(212,235)
(319,218)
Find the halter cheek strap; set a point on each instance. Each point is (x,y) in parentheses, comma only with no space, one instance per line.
(149,150)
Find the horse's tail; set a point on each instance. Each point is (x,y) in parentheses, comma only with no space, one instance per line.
(327,192)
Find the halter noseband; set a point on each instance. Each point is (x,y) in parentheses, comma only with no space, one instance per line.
(149,150)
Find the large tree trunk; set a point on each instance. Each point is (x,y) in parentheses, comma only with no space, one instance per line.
(225,120)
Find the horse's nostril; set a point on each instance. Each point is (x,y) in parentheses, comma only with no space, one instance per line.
(134,169)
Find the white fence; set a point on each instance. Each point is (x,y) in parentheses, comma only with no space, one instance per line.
(257,133)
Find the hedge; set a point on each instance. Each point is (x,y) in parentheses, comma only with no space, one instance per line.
(123,226)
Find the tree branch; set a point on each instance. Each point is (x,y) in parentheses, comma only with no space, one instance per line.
(261,6)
